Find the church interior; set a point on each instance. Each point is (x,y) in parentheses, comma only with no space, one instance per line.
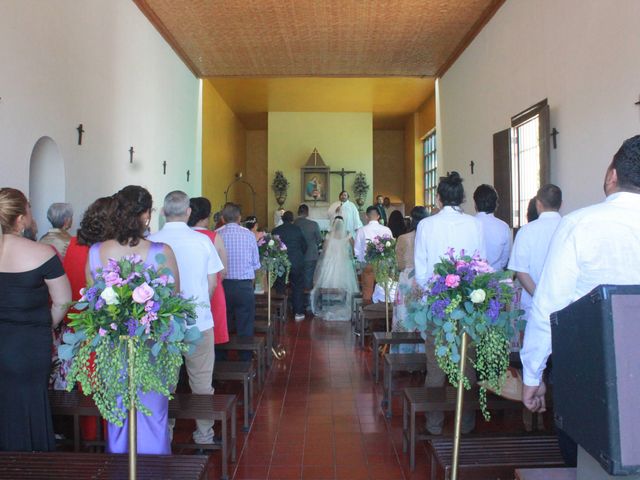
(215,97)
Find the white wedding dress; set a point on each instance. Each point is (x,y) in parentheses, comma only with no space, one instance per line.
(335,280)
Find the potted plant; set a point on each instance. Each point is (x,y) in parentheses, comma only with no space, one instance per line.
(280,185)
(360,189)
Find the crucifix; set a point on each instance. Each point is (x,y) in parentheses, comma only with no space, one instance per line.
(554,133)
(131,150)
(638,102)
(188,174)
(164,167)
(343,173)
(472,164)
(80,132)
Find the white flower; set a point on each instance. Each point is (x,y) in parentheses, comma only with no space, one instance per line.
(388,244)
(271,243)
(110,296)
(478,296)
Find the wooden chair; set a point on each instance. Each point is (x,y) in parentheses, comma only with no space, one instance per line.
(489,458)
(399,362)
(80,466)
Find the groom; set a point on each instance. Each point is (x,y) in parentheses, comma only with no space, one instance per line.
(348,211)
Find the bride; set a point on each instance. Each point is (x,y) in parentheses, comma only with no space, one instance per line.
(335,279)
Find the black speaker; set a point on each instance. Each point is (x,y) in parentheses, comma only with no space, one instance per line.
(596,375)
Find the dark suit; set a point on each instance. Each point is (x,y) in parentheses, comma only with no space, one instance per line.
(311,232)
(383,214)
(293,238)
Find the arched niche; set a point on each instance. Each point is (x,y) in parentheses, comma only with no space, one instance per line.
(46,180)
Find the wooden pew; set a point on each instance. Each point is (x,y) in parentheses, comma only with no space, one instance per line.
(86,466)
(489,458)
(217,408)
(243,372)
(399,362)
(440,399)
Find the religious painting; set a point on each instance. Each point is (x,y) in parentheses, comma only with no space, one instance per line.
(315,184)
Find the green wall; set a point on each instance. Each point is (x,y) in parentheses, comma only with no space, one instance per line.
(345,140)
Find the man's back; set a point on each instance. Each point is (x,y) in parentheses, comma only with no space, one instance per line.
(596,245)
(311,232)
(497,239)
(242,252)
(293,238)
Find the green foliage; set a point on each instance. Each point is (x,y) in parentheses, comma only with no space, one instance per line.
(273,258)
(360,185)
(280,184)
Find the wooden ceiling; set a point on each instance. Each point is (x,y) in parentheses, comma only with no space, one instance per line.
(359,38)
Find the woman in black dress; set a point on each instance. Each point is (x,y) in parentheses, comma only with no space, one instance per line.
(29,274)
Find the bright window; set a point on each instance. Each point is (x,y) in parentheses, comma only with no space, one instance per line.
(430,170)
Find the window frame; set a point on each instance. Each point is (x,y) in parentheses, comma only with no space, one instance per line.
(430,163)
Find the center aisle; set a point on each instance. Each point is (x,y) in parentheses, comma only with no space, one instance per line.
(319,415)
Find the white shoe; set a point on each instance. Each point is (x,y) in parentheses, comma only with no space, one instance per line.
(299,317)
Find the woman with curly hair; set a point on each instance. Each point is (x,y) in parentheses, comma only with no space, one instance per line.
(30,273)
(132,214)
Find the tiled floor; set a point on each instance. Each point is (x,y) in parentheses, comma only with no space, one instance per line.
(319,415)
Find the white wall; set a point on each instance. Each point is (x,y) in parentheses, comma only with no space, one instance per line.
(99,63)
(583,55)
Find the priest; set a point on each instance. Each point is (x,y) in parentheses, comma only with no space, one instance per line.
(348,211)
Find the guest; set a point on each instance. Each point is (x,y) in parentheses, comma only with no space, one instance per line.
(198,263)
(366,234)
(396,224)
(449,228)
(60,215)
(30,273)
(381,210)
(388,208)
(243,260)
(31,231)
(199,221)
(497,234)
(532,243)
(591,246)
(532,213)
(404,255)
(251,223)
(311,232)
(95,226)
(131,218)
(292,236)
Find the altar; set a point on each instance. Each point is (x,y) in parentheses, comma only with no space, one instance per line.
(319,215)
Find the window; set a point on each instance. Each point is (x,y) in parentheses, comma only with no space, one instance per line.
(521,162)
(430,169)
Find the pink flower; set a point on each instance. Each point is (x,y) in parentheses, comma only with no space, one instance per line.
(102,332)
(452,281)
(143,293)
(460,264)
(161,280)
(113,326)
(112,278)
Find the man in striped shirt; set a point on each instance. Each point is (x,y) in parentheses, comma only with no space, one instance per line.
(242,262)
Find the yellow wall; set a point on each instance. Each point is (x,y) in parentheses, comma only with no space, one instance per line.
(223,150)
(256,174)
(343,140)
(388,160)
(416,127)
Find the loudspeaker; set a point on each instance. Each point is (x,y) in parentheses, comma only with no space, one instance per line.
(596,375)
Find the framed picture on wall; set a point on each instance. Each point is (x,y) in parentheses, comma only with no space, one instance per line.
(315,184)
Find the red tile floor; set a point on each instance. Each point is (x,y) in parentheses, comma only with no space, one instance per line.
(319,415)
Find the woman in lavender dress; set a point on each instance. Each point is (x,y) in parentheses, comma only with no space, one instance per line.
(131,219)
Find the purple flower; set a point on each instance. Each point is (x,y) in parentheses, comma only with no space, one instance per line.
(99,303)
(438,286)
(102,332)
(112,265)
(132,325)
(112,278)
(165,335)
(161,280)
(113,326)
(90,293)
(152,306)
(438,307)
(494,310)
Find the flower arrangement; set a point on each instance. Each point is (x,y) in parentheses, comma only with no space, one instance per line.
(381,255)
(273,258)
(280,186)
(466,295)
(128,301)
(360,188)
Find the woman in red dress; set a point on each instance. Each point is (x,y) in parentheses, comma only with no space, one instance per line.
(94,227)
(199,221)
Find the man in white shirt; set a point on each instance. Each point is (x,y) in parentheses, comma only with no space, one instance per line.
(497,234)
(532,243)
(198,263)
(366,234)
(348,211)
(595,245)
(449,228)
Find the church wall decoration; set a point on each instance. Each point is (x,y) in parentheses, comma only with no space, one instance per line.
(315,178)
